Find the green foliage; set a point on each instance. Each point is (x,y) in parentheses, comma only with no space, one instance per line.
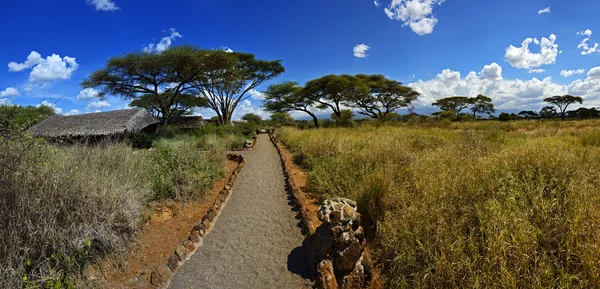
(471,205)
(253,118)
(562,102)
(289,96)
(281,119)
(504,117)
(15,117)
(345,119)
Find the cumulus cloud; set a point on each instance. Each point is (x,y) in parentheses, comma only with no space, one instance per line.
(11,91)
(4,101)
(418,14)
(52,105)
(246,106)
(97,104)
(360,50)
(164,43)
(73,112)
(87,94)
(43,70)
(545,10)
(568,73)
(583,45)
(256,94)
(522,57)
(536,70)
(103,5)
(376,3)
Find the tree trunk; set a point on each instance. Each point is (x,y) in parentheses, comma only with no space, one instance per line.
(315,119)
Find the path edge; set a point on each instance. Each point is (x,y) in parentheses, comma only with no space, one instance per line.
(162,275)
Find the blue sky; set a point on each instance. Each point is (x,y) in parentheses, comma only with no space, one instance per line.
(516,52)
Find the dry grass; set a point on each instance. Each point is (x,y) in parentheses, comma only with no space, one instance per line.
(471,205)
(63,207)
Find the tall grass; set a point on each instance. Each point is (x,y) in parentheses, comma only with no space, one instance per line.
(65,206)
(469,205)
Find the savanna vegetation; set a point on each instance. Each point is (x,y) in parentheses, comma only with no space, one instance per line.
(467,205)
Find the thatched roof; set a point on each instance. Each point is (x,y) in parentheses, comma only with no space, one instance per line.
(94,124)
(188,121)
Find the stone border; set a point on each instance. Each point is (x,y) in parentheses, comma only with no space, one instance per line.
(161,275)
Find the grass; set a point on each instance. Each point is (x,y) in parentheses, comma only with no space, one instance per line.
(468,205)
(65,207)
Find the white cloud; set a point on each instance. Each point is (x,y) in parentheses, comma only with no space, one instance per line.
(97,104)
(583,45)
(246,106)
(536,70)
(418,14)
(164,43)
(256,94)
(360,50)
(50,69)
(376,3)
(545,10)
(52,105)
(568,73)
(5,101)
(73,112)
(226,49)
(87,94)
(522,57)
(103,5)
(506,93)
(11,91)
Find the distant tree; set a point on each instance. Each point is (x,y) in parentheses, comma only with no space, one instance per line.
(528,114)
(214,119)
(504,117)
(282,118)
(253,118)
(376,96)
(16,117)
(230,78)
(562,102)
(331,91)
(289,96)
(161,82)
(481,104)
(585,113)
(548,112)
(454,103)
(345,119)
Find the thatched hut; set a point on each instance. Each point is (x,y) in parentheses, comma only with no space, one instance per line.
(94,126)
(188,122)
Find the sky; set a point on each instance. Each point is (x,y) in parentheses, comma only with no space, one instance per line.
(516,51)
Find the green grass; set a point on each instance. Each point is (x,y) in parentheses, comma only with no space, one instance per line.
(468,205)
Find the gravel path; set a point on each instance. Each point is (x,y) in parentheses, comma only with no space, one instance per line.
(256,242)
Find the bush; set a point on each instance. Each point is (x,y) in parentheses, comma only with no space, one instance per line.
(65,207)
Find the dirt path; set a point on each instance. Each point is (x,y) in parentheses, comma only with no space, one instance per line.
(256,242)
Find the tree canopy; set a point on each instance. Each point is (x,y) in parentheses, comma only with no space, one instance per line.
(16,117)
(331,91)
(253,118)
(454,103)
(562,102)
(482,104)
(281,118)
(160,82)
(376,96)
(289,96)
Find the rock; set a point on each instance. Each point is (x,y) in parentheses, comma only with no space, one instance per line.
(325,276)
(335,217)
(348,213)
(200,229)
(160,276)
(248,144)
(359,234)
(206,225)
(217,204)
(344,240)
(222,196)
(319,245)
(173,262)
(356,278)
(189,245)
(211,214)
(345,260)
(195,237)
(351,203)
(182,252)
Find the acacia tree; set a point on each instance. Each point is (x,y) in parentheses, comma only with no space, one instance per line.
(160,82)
(548,111)
(562,102)
(288,96)
(331,91)
(528,114)
(230,78)
(454,103)
(376,96)
(482,104)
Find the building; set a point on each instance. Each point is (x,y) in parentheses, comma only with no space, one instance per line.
(188,121)
(110,124)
